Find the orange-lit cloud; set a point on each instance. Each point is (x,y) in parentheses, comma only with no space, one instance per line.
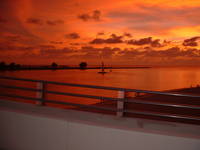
(117,30)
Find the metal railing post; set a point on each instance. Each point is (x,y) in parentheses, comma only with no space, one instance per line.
(120,104)
(40,94)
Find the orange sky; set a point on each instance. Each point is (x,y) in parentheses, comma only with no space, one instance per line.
(128,32)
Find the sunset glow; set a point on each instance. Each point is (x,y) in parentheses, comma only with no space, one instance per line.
(121,32)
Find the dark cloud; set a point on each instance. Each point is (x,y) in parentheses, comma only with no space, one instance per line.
(50,51)
(35,21)
(114,39)
(92,52)
(94,16)
(145,41)
(72,36)
(136,55)
(140,41)
(54,22)
(156,43)
(46,47)
(191,42)
(75,44)
(130,53)
(38,21)
(173,52)
(84,17)
(100,33)
(56,42)
(191,53)
(129,35)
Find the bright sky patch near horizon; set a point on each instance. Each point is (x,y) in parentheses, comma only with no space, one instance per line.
(119,32)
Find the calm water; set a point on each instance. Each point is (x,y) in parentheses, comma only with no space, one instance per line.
(148,79)
(158,79)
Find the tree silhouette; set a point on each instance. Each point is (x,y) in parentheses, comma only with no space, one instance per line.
(83,65)
(12,66)
(2,65)
(17,66)
(54,65)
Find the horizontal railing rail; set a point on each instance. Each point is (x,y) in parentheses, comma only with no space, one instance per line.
(120,100)
(102,108)
(137,101)
(102,87)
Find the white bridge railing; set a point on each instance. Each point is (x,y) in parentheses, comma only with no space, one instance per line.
(41,91)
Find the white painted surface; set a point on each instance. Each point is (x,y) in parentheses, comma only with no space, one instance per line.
(53,129)
(98,138)
(26,132)
(120,104)
(40,94)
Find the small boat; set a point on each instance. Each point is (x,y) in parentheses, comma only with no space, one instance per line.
(102,69)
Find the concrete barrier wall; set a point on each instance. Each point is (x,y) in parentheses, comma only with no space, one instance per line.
(21,131)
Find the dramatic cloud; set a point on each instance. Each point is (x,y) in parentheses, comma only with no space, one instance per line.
(145,41)
(165,53)
(133,25)
(94,16)
(100,33)
(191,41)
(105,52)
(136,55)
(72,36)
(130,53)
(56,42)
(35,21)
(129,35)
(75,44)
(171,52)
(114,39)
(54,22)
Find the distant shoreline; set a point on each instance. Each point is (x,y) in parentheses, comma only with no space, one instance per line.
(67,68)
